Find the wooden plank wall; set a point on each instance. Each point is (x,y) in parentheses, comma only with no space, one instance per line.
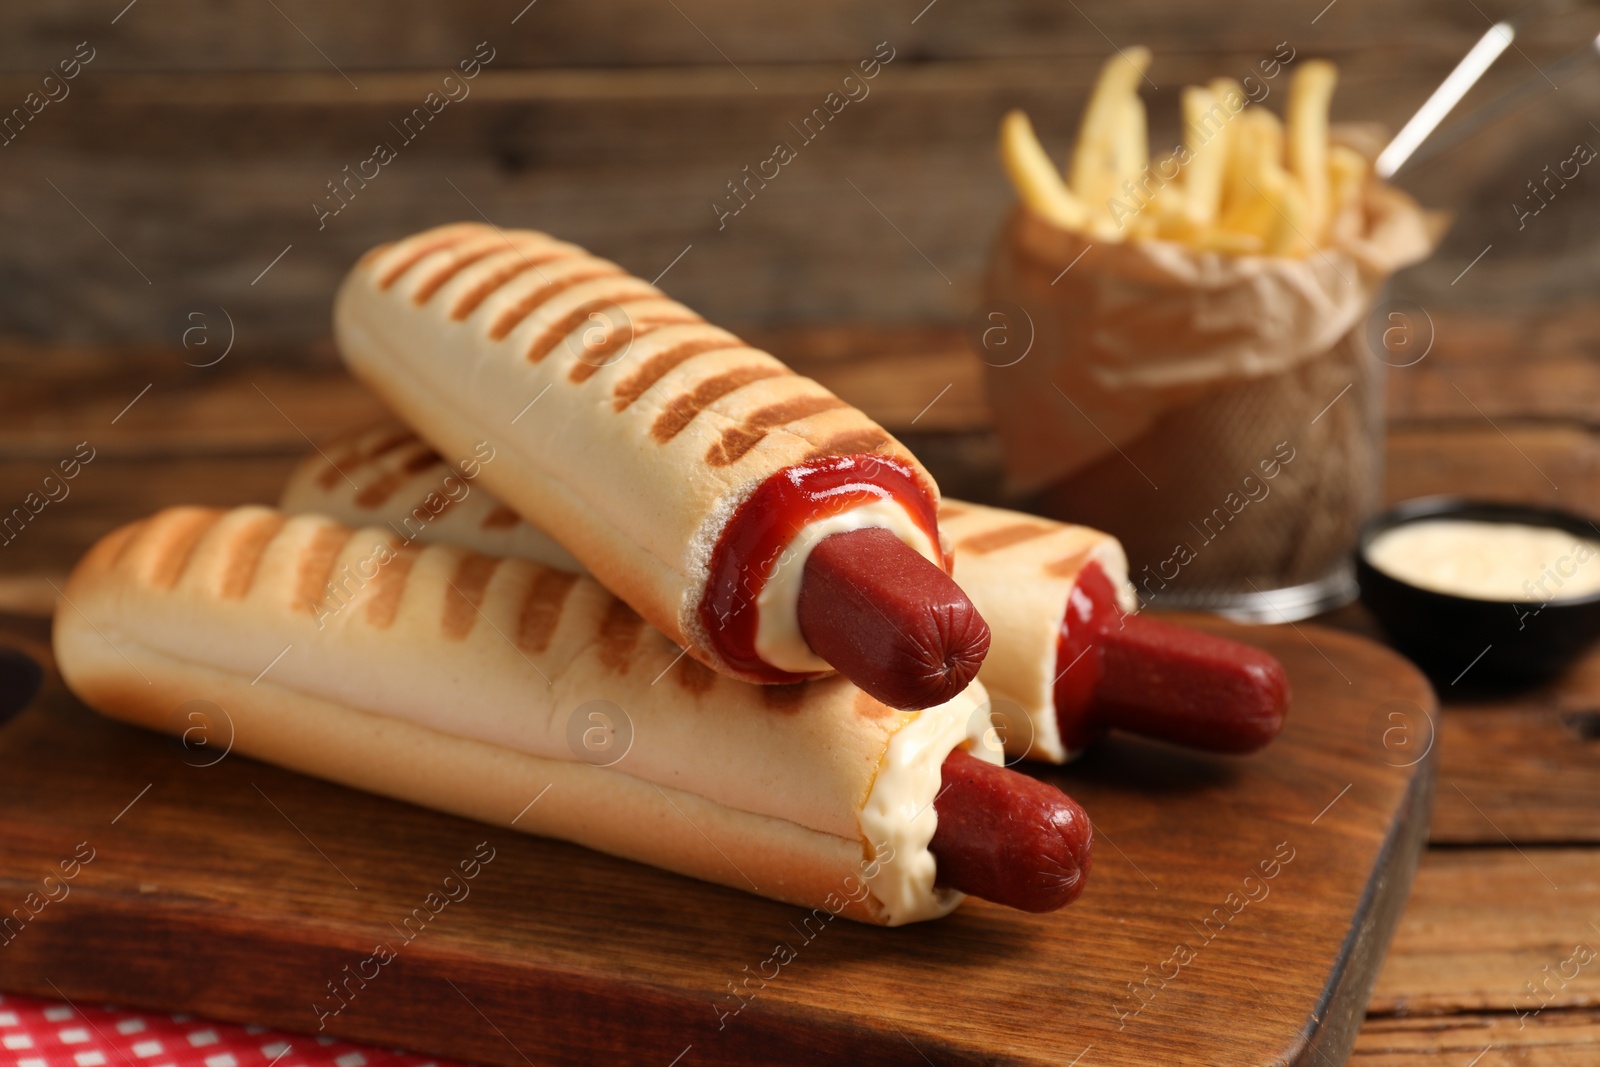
(187,153)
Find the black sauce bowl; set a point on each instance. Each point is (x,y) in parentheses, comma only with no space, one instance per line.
(1475,642)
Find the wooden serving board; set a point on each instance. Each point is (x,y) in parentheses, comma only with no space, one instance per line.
(1250,900)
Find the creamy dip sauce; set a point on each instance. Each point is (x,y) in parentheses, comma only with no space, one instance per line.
(1489,560)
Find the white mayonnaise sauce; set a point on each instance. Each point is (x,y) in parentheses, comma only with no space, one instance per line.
(778,639)
(1489,560)
(898,819)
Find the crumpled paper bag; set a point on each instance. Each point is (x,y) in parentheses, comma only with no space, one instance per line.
(1131,331)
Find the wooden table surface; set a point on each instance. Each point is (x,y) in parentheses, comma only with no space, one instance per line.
(1509,889)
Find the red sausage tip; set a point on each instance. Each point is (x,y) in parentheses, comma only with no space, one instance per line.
(889,620)
(1008,838)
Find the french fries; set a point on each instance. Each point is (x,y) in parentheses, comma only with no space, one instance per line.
(1243,182)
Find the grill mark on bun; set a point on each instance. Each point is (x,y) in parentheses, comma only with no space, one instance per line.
(500,518)
(372,254)
(465,595)
(513,316)
(473,298)
(182,532)
(1068,566)
(1003,537)
(440,278)
(950,511)
(244,555)
(596,359)
(389,585)
(420,251)
(737,441)
(785,698)
(376,492)
(631,288)
(694,676)
(422,461)
(122,540)
(683,409)
(357,457)
(657,367)
(851,443)
(558,331)
(541,608)
(868,708)
(346,440)
(429,514)
(316,564)
(620,629)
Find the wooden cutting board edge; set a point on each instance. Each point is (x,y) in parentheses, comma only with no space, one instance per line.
(1344,1004)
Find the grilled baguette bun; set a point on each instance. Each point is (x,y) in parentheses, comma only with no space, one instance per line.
(1018,569)
(464,682)
(628,425)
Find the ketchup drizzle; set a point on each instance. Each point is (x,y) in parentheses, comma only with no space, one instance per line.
(752,544)
(1080,665)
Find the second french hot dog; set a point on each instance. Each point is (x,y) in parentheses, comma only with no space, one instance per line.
(1066,661)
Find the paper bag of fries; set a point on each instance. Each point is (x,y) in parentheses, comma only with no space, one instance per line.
(1198,380)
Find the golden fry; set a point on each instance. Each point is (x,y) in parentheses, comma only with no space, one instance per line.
(1207,126)
(1168,210)
(1348,171)
(1309,94)
(1096,173)
(1289,235)
(1133,146)
(1036,179)
(1230,94)
(1244,175)
(1239,244)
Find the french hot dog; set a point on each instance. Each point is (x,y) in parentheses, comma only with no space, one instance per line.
(692,474)
(470,683)
(1066,661)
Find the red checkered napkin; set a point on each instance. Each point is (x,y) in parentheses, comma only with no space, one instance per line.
(45,1033)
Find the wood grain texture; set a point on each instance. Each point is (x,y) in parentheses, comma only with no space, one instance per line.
(1555,1039)
(574,955)
(204,36)
(1523,769)
(1463,950)
(1533,463)
(202,133)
